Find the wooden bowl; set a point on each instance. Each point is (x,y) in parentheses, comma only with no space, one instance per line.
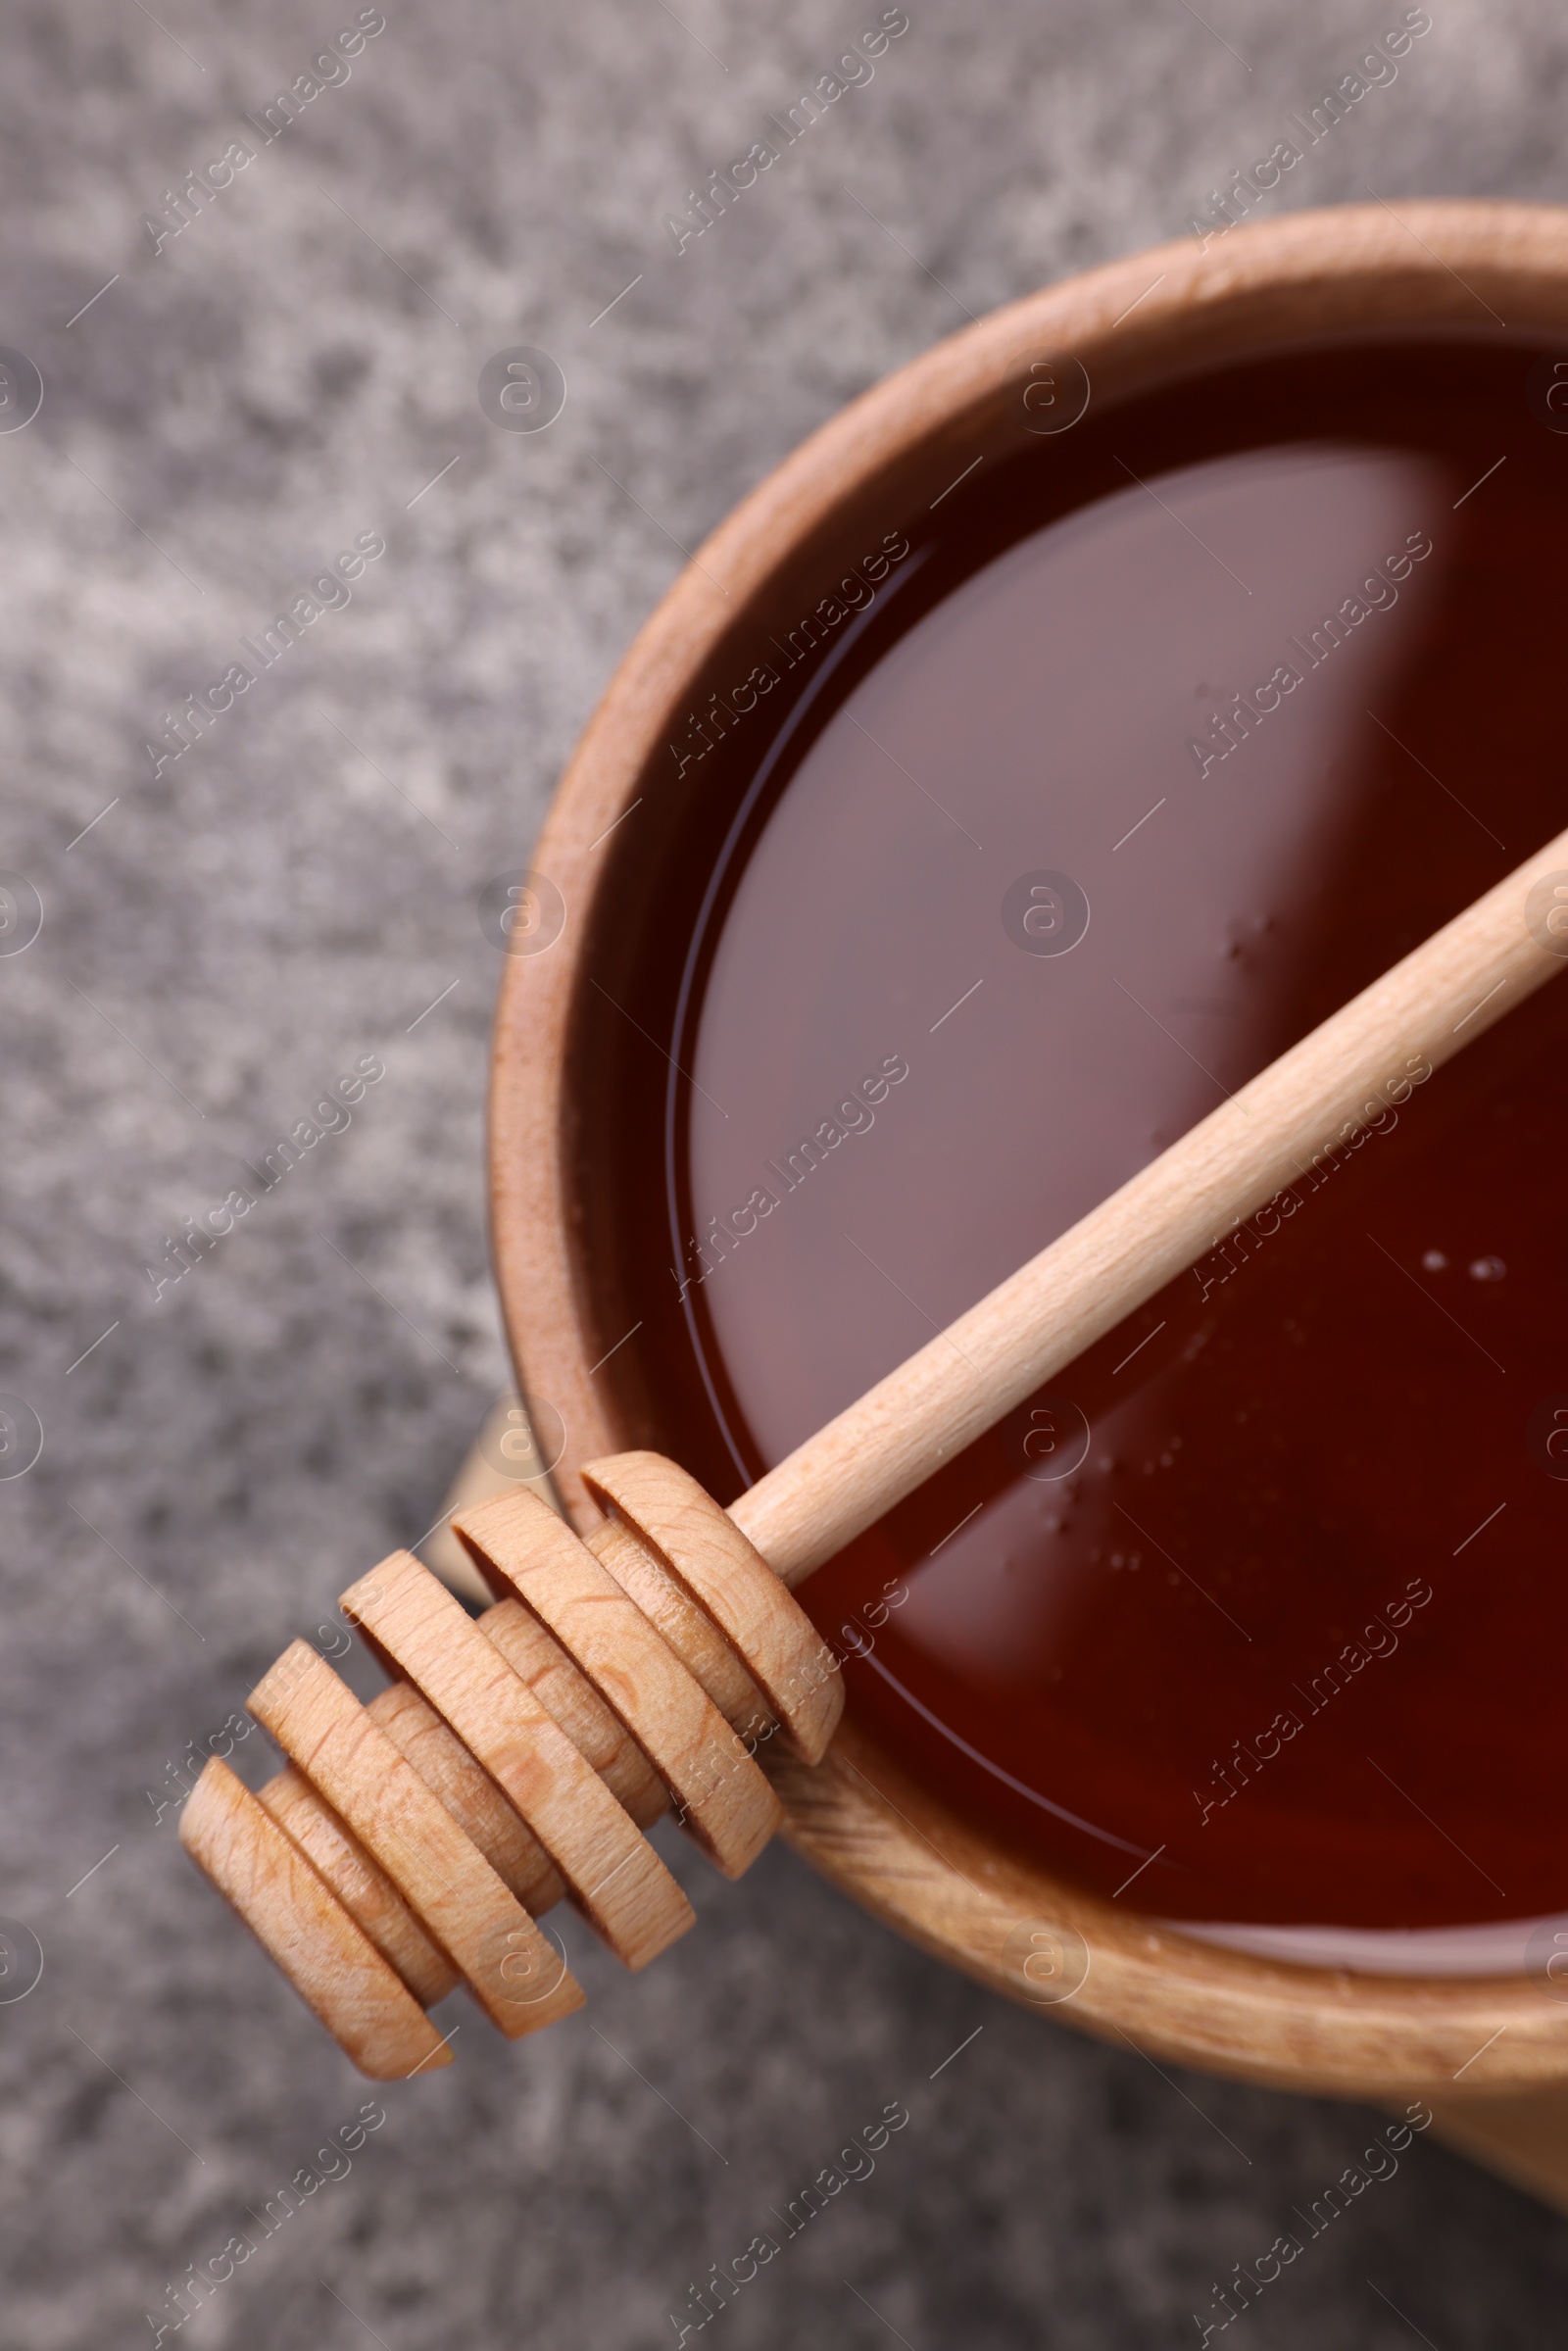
(913,1861)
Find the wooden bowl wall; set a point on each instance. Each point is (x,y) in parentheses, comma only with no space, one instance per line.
(912,1860)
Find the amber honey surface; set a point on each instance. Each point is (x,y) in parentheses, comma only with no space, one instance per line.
(1138,756)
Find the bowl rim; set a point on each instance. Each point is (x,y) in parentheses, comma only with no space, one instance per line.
(1498,269)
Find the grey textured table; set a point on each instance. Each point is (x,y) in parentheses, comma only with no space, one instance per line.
(296,367)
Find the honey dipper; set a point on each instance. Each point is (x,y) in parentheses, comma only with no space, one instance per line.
(412,1843)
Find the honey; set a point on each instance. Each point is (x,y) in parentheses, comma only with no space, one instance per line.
(1156,741)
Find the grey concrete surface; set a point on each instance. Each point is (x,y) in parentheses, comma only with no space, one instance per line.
(287,372)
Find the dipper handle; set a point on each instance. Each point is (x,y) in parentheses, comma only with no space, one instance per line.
(1341,1078)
